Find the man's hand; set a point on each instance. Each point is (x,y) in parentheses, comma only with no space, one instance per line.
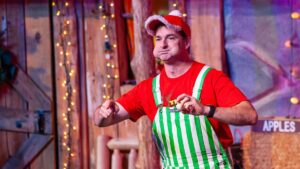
(105,112)
(242,113)
(190,105)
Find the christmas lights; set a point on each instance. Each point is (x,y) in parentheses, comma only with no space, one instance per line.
(106,10)
(63,45)
(294,69)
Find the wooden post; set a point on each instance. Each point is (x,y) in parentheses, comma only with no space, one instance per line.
(121,41)
(117,159)
(205,18)
(95,67)
(132,158)
(13,14)
(71,127)
(103,153)
(143,66)
(84,118)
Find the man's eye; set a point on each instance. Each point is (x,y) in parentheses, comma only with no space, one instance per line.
(172,38)
(157,39)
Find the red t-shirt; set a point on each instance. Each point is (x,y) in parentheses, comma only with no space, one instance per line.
(218,90)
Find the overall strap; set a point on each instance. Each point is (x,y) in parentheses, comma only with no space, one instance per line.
(199,81)
(156,90)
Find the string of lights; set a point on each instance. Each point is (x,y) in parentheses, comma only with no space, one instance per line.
(178,5)
(107,12)
(293,70)
(63,45)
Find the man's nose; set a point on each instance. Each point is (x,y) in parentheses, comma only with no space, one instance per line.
(164,44)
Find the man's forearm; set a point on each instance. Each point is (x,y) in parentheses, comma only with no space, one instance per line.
(115,117)
(241,114)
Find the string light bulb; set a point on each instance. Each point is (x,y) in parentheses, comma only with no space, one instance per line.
(295,15)
(288,44)
(294,100)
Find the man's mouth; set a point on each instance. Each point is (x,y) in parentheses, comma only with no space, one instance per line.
(163,52)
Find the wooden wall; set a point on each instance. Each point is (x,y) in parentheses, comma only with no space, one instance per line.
(27,36)
(205,19)
(32,32)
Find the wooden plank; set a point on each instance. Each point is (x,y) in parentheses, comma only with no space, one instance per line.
(121,41)
(128,129)
(27,88)
(16,31)
(62,107)
(143,66)
(95,64)
(16,42)
(123,62)
(39,61)
(23,121)
(27,152)
(84,118)
(4,155)
(205,18)
(123,144)
(38,44)
(46,159)
(39,64)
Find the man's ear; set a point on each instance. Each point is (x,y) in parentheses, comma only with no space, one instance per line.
(187,43)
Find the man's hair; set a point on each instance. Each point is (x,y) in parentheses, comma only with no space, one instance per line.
(181,32)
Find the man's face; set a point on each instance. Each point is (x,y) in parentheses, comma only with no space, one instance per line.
(169,44)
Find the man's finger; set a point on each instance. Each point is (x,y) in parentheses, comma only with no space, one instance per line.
(180,97)
(185,100)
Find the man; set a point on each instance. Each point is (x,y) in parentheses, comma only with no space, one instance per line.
(189,103)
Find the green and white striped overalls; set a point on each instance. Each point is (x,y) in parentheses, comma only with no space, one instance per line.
(184,140)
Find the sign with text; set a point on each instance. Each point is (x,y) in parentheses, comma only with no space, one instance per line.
(277,125)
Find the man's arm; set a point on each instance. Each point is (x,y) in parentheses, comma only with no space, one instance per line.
(110,112)
(240,114)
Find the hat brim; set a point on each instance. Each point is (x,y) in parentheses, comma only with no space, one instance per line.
(153,21)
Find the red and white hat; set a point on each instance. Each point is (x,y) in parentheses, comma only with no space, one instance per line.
(173,21)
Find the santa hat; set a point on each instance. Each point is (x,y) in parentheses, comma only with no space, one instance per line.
(173,21)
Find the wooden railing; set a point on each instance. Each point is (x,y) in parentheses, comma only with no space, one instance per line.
(114,153)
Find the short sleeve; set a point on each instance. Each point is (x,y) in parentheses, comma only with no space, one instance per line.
(131,101)
(227,94)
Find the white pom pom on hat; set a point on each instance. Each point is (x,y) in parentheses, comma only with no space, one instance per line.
(176,13)
(173,20)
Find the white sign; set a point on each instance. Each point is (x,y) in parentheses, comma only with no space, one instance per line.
(284,126)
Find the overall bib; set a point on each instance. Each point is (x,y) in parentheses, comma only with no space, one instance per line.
(184,140)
